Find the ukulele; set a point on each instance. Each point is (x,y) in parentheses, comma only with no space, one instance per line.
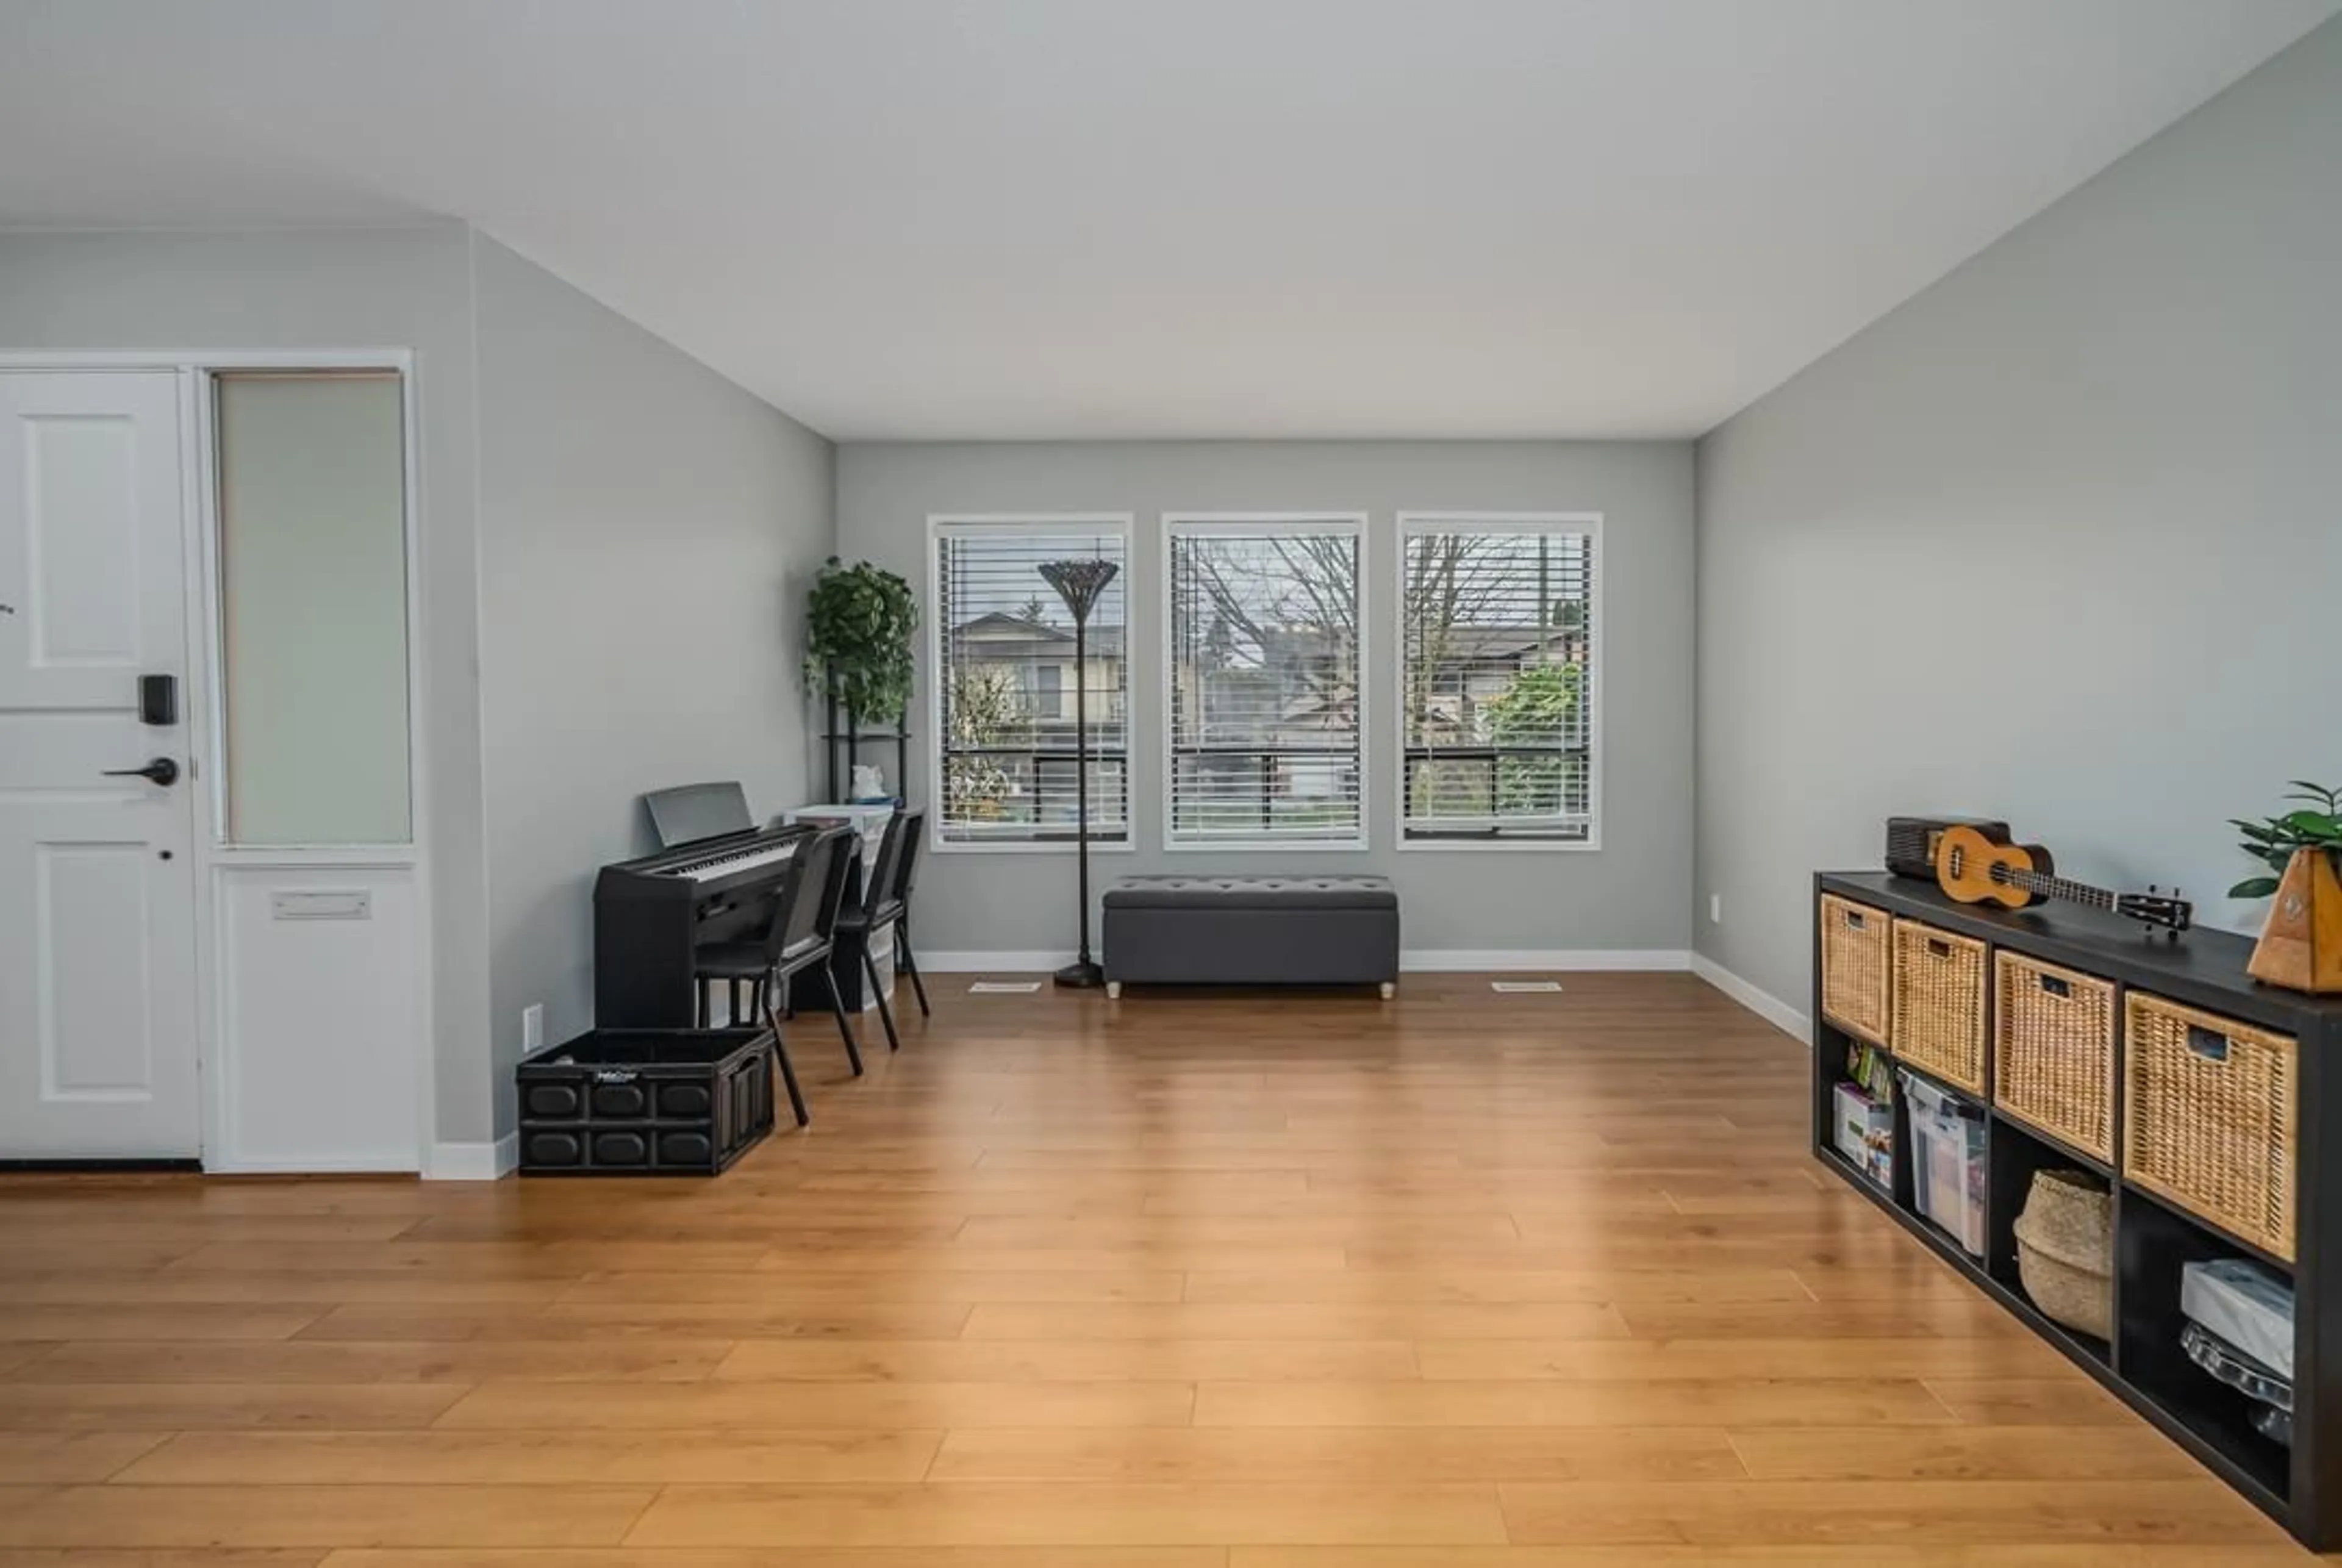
(1976,867)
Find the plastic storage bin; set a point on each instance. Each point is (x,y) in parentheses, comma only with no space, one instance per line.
(1947,1162)
(645,1101)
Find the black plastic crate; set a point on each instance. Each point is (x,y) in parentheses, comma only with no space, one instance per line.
(645,1101)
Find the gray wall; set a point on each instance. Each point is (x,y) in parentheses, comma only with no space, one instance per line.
(647,533)
(1632,893)
(339,289)
(2058,541)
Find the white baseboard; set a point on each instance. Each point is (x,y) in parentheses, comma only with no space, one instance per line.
(311,1166)
(1435,960)
(474,1161)
(1763,1004)
(1006,962)
(1533,960)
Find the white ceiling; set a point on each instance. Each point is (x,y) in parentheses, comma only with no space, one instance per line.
(1073,218)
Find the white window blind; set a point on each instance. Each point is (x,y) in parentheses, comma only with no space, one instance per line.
(1006,678)
(1497,642)
(1264,700)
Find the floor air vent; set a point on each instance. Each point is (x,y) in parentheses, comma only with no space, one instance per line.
(1511,987)
(1004,987)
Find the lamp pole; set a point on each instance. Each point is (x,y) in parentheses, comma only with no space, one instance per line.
(1079,584)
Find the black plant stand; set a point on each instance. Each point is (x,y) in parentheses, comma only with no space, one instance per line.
(844,747)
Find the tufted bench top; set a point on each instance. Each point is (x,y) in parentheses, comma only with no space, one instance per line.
(1252,892)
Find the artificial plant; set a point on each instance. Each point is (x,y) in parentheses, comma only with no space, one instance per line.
(859,622)
(2274,839)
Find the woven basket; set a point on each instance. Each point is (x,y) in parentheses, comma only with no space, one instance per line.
(1857,968)
(2066,1251)
(2208,1109)
(2054,1051)
(1939,1003)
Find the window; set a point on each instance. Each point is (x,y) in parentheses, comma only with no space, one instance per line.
(312,498)
(1498,646)
(1004,674)
(1264,676)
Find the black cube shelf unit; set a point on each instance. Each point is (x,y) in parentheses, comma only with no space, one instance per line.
(2300,1487)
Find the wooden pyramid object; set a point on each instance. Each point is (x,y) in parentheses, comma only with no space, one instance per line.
(2301,949)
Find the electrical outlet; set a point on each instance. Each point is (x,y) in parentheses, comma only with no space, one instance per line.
(1715,909)
(532,1026)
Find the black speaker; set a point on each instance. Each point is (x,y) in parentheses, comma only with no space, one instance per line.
(1911,841)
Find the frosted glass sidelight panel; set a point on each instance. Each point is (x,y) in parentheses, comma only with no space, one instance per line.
(313,607)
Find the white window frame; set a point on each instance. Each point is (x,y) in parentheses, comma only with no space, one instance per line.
(1253,525)
(1412,524)
(1024,524)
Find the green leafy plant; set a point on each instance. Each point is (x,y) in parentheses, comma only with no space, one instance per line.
(1535,705)
(1534,710)
(2274,839)
(859,622)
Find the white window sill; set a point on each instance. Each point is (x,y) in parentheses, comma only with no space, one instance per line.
(1266,845)
(1032,846)
(1503,845)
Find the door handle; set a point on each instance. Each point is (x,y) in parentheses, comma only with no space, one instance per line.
(161,770)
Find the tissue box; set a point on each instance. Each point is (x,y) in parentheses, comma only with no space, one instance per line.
(2245,1305)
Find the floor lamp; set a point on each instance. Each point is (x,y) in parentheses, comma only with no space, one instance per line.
(1079,584)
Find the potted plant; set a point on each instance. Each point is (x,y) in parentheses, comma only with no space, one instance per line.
(859,621)
(2301,946)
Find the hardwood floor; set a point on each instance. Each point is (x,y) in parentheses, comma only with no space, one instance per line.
(1461,1281)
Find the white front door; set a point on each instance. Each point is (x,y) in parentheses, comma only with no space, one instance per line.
(97,895)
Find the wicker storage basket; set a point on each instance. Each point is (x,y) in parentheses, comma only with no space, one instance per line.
(1939,1003)
(2208,1109)
(1857,968)
(2066,1251)
(2054,1051)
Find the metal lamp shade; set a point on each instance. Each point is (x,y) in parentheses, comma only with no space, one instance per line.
(1079,584)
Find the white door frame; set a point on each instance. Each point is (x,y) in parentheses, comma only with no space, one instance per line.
(200,520)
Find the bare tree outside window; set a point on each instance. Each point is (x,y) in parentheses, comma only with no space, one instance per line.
(1264,684)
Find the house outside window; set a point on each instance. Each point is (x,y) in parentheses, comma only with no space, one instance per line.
(1263,677)
(1003,670)
(1499,679)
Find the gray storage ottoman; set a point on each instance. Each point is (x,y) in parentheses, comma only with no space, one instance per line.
(1252,931)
